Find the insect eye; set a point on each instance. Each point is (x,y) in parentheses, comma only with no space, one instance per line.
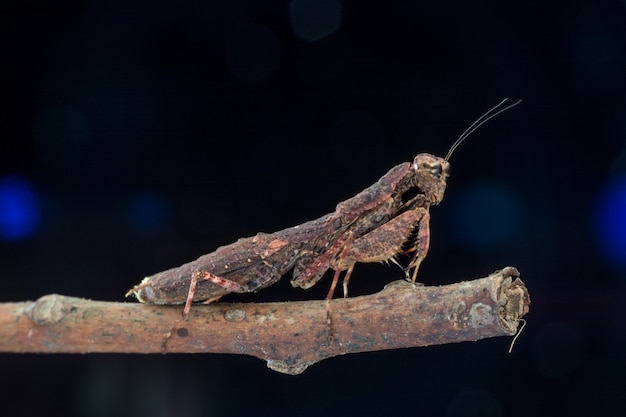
(436,170)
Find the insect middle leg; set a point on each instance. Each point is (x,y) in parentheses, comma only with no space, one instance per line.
(342,256)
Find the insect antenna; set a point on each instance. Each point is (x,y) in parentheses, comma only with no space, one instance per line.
(493,112)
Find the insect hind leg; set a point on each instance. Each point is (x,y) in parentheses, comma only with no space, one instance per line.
(200,275)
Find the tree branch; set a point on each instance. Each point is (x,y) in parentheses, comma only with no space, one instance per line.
(290,336)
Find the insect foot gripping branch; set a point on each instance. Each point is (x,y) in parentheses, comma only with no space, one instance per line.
(376,225)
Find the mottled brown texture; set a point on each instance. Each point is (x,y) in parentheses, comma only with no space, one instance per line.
(373,226)
(290,336)
(388,218)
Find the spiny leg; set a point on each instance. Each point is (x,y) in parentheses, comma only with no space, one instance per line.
(385,242)
(423,243)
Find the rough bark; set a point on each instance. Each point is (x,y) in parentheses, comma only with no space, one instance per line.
(290,336)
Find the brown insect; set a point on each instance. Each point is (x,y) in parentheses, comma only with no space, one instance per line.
(376,225)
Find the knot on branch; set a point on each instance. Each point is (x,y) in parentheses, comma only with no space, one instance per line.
(49,309)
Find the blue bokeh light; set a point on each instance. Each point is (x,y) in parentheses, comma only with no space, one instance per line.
(19,208)
(610,222)
(313,20)
(487,214)
(146,212)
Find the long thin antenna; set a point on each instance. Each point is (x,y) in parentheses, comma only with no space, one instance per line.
(493,112)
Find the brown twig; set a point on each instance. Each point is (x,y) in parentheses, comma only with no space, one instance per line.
(290,336)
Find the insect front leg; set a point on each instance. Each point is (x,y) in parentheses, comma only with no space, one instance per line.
(422,245)
(389,240)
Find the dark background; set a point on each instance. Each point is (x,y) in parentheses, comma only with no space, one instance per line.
(138,135)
